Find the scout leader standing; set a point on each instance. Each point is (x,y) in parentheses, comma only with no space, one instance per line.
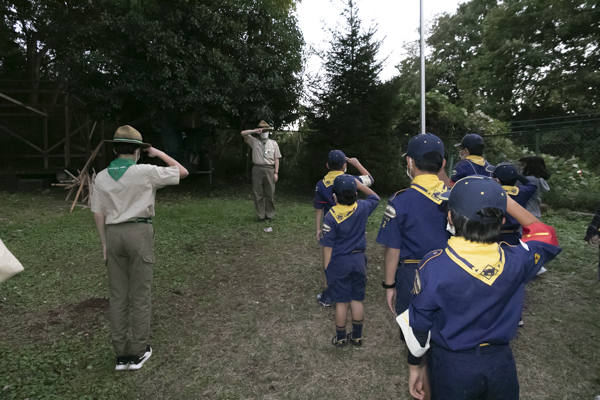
(324,199)
(344,242)
(123,207)
(265,172)
(471,154)
(415,219)
(469,297)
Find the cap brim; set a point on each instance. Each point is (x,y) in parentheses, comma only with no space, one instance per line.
(457,144)
(141,144)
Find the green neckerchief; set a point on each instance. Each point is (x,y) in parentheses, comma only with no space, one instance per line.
(117,168)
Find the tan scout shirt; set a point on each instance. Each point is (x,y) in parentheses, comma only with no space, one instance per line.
(263,154)
(132,196)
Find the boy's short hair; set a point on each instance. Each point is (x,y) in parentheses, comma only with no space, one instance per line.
(485,231)
(430,162)
(346,197)
(125,148)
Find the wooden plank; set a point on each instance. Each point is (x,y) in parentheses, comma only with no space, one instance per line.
(23,105)
(5,129)
(63,140)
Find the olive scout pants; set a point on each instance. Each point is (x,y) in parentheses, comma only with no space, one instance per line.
(130,262)
(263,185)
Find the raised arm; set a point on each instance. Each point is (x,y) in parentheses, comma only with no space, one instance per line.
(361,170)
(170,161)
(524,217)
(246,134)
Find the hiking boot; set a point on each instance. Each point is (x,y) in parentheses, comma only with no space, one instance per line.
(339,343)
(136,363)
(357,343)
(122,364)
(324,298)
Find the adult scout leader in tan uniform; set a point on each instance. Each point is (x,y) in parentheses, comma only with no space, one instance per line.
(265,157)
(123,206)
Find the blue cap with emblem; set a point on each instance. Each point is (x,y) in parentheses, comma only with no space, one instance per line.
(469,141)
(422,144)
(474,193)
(336,159)
(506,172)
(344,182)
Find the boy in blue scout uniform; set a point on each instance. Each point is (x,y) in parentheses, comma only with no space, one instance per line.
(471,154)
(469,296)
(508,176)
(344,243)
(336,163)
(415,219)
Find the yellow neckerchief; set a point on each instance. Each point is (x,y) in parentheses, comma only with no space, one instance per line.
(483,261)
(430,186)
(330,177)
(477,160)
(340,213)
(511,190)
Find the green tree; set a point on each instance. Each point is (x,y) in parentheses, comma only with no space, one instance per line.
(351,109)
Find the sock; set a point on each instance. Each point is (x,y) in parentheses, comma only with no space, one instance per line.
(357,329)
(341,332)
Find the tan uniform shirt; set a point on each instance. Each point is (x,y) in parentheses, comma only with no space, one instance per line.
(263,153)
(133,195)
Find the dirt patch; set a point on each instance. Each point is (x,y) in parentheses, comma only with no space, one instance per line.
(92,303)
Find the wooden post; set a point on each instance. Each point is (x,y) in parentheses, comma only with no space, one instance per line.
(45,128)
(67,133)
(88,150)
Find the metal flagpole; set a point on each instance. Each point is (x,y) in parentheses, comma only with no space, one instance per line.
(422,72)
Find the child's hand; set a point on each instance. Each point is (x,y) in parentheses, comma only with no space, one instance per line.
(352,161)
(151,151)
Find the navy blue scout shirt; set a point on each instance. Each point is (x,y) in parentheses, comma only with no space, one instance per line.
(344,226)
(520,194)
(471,294)
(472,165)
(324,191)
(415,219)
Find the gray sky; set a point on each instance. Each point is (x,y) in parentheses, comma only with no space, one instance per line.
(397,21)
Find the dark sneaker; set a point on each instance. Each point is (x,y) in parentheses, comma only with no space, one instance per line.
(324,298)
(136,363)
(122,364)
(339,343)
(357,343)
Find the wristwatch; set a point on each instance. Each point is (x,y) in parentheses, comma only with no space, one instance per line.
(386,286)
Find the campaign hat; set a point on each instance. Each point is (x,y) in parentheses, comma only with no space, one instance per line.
(128,134)
(474,193)
(422,144)
(344,182)
(336,159)
(264,126)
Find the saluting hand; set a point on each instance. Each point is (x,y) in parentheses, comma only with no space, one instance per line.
(352,161)
(151,151)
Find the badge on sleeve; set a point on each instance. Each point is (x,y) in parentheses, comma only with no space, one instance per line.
(417,285)
(390,211)
(537,258)
(326,228)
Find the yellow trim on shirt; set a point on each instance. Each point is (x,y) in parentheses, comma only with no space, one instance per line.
(330,177)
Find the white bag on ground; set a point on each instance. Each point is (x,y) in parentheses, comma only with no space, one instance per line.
(9,265)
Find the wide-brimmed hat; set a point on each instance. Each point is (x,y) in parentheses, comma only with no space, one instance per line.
(264,126)
(128,134)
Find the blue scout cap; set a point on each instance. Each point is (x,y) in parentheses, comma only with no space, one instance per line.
(422,144)
(344,182)
(469,141)
(474,193)
(336,159)
(506,172)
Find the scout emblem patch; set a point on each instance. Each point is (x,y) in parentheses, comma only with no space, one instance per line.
(511,190)
(326,228)
(537,258)
(417,284)
(390,211)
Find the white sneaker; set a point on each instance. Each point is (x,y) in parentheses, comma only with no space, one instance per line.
(136,363)
(521,323)
(122,364)
(541,271)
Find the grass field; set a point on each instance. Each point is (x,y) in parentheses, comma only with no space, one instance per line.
(235,313)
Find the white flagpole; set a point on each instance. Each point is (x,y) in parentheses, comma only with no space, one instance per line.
(422,72)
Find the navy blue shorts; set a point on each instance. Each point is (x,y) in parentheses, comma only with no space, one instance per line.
(405,282)
(347,277)
(487,372)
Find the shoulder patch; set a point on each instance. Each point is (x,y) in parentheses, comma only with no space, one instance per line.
(390,211)
(326,228)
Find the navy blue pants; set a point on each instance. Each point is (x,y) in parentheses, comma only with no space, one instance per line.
(484,373)
(405,282)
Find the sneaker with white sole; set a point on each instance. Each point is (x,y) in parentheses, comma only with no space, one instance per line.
(324,298)
(339,343)
(356,343)
(122,364)
(136,363)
